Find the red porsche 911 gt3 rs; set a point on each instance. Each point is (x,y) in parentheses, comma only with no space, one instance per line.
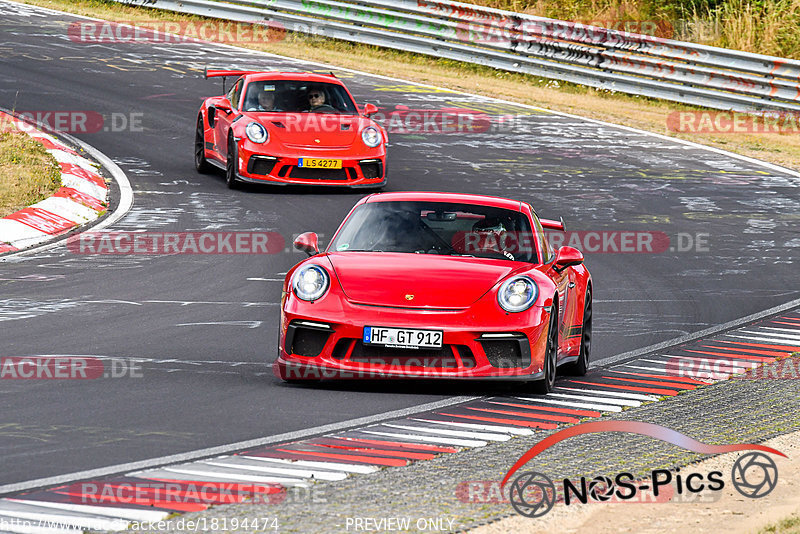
(290,128)
(437,285)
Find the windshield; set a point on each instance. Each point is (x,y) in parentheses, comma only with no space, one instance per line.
(290,96)
(438,228)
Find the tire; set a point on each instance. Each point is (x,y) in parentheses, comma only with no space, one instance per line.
(230,165)
(546,384)
(200,162)
(581,366)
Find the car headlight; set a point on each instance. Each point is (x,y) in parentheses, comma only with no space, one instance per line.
(517,294)
(256,132)
(310,282)
(371,136)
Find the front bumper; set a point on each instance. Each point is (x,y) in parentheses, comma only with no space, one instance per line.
(507,347)
(358,170)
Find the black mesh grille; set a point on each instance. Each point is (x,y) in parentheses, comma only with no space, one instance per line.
(371,169)
(467,358)
(262,166)
(308,342)
(503,353)
(439,358)
(304,173)
(340,350)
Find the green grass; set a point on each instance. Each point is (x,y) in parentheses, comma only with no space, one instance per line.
(28,173)
(790,525)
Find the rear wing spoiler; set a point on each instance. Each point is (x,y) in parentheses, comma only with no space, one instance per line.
(214,73)
(554,225)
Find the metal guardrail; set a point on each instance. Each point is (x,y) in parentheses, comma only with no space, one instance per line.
(606,59)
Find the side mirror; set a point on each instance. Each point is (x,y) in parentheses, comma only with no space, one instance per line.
(224,105)
(370,109)
(308,243)
(567,256)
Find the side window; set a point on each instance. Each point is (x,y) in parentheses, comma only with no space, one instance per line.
(235,94)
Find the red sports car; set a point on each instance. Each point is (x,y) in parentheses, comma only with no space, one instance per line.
(290,128)
(437,285)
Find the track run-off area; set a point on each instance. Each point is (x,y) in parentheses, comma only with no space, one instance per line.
(199,332)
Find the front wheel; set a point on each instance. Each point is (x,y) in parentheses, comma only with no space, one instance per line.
(546,384)
(581,365)
(200,162)
(230,165)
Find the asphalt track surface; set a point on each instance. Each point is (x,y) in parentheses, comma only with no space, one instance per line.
(208,334)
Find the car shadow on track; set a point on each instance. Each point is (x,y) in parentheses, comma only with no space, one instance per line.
(419,387)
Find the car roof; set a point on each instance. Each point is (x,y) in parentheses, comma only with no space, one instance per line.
(464,198)
(298,76)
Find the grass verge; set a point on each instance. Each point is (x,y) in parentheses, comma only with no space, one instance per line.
(643,113)
(28,173)
(790,525)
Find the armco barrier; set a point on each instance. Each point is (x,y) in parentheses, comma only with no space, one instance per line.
(598,57)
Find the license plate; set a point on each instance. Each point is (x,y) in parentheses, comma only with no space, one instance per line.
(318,163)
(403,338)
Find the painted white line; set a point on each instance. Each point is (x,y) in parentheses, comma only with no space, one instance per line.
(483,436)
(638,396)
(592,406)
(650,369)
(248,324)
(63,156)
(762,339)
(794,331)
(265,279)
(598,398)
(215,474)
(131,514)
(719,361)
(20,235)
(68,209)
(672,383)
(84,186)
(774,336)
(663,362)
(428,439)
(237,462)
(519,431)
(312,464)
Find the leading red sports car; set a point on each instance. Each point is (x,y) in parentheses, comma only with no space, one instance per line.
(436,285)
(290,128)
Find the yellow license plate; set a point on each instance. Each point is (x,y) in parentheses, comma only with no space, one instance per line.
(318,163)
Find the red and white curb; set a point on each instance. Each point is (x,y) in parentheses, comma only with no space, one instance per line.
(82,197)
(264,473)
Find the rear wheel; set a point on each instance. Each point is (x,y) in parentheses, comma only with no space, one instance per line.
(547,383)
(200,162)
(581,366)
(230,165)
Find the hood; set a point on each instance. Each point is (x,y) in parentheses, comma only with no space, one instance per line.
(303,129)
(384,279)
